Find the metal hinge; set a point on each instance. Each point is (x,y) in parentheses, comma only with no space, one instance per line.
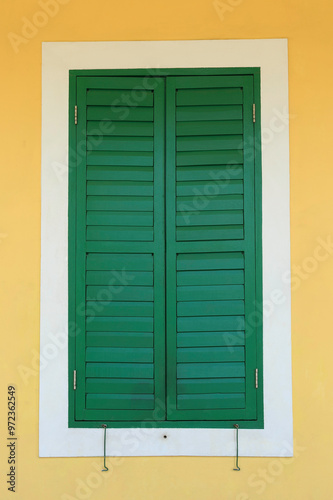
(74,380)
(254,113)
(256,378)
(75,115)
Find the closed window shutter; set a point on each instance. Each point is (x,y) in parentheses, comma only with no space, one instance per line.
(211,262)
(165,251)
(120,250)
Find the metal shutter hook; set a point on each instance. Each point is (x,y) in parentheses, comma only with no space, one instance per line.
(236,427)
(105,467)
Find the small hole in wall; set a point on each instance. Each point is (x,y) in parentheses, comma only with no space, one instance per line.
(165,436)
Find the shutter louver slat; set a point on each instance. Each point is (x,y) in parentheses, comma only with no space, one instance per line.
(125,158)
(138,128)
(200,97)
(211,339)
(119,386)
(119,339)
(118,97)
(137,144)
(202,113)
(119,218)
(210,401)
(203,173)
(189,204)
(119,173)
(129,292)
(120,401)
(120,113)
(205,127)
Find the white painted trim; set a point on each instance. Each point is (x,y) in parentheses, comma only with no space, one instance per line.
(56,439)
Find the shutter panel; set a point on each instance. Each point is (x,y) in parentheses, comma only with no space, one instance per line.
(122,247)
(211,334)
(119,250)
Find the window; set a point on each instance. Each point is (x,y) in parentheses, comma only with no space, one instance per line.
(55,388)
(165,271)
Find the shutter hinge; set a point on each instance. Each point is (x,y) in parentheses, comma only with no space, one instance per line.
(74,380)
(254,113)
(75,115)
(256,378)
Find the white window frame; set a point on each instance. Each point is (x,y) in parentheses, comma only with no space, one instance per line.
(55,438)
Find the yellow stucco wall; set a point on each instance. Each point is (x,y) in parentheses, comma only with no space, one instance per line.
(308,27)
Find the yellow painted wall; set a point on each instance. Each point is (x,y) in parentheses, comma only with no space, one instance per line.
(308,27)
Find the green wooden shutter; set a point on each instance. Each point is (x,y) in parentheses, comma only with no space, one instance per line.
(210,249)
(187,357)
(120,359)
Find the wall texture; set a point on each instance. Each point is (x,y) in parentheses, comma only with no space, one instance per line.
(307,25)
